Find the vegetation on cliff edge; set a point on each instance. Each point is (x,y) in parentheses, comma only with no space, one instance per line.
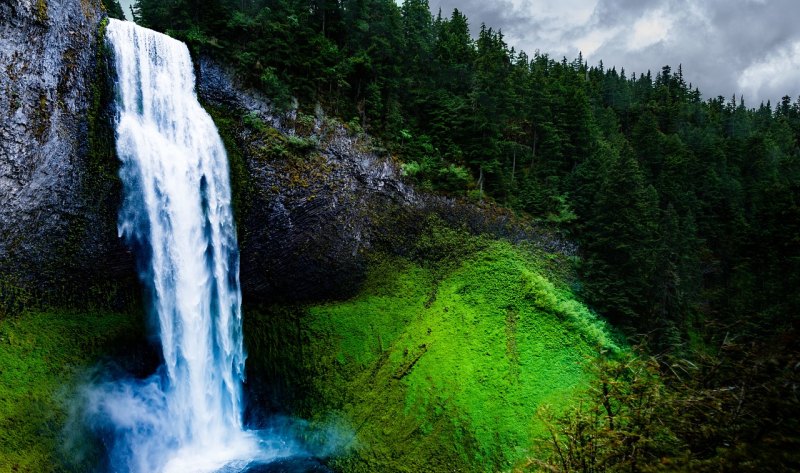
(436,365)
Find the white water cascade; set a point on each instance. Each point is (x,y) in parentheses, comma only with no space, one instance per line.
(177,215)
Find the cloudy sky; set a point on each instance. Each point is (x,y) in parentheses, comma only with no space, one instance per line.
(749,47)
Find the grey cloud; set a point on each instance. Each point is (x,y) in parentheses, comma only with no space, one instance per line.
(495,14)
(715,41)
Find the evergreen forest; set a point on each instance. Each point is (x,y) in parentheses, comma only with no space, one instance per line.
(651,323)
(685,208)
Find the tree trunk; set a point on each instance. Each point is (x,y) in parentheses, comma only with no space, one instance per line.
(513,165)
(480,182)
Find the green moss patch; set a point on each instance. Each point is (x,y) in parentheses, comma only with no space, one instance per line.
(41,354)
(443,369)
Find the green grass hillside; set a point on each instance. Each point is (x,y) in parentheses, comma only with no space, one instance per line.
(442,367)
(42,354)
(440,363)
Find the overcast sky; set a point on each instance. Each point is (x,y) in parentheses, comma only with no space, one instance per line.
(126,7)
(749,47)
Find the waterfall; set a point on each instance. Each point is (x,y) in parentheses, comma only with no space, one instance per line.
(177,215)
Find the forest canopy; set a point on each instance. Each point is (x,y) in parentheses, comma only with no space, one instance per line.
(681,205)
(686,209)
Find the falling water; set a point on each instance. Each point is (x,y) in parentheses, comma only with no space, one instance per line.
(177,215)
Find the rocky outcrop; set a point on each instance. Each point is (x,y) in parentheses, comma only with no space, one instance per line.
(311,196)
(314,197)
(58,190)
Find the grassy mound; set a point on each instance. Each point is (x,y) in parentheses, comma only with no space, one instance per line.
(442,367)
(41,353)
(440,363)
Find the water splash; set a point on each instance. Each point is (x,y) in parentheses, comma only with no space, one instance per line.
(177,215)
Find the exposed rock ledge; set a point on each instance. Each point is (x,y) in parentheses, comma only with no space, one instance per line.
(309,220)
(57,202)
(305,218)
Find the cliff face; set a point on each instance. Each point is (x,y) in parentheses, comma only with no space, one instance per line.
(58,193)
(314,197)
(309,200)
(311,197)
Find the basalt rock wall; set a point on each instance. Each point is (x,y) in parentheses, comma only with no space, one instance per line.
(313,198)
(58,186)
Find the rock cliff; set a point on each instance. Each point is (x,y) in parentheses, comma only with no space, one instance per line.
(58,190)
(314,197)
(311,195)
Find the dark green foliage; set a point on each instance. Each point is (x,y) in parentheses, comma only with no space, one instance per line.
(113,9)
(644,413)
(620,424)
(686,210)
(619,217)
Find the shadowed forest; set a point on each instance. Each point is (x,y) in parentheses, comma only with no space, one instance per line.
(684,209)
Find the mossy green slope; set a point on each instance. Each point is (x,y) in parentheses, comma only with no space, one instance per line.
(41,352)
(443,369)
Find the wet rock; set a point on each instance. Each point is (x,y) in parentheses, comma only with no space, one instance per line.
(310,215)
(56,228)
(291,465)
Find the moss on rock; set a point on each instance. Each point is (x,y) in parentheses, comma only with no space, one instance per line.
(435,367)
(42,356)
(41,11)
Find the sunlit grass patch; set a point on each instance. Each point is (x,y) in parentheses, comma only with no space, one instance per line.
(449,366)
